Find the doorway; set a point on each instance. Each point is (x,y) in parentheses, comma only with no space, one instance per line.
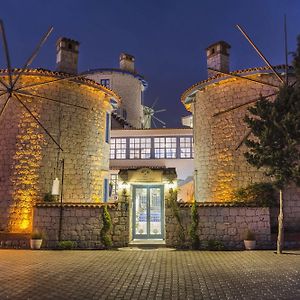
(148,212)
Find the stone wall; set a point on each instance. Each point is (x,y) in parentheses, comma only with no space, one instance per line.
(81,223)
(30,160)
(220,168)
(221,223)
(291,210)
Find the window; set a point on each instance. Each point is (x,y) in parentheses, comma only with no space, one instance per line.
(107,128)
(105,190)
(186,147)
(105,82)
(165,147)
(114,184)
(117,148)
(139,148)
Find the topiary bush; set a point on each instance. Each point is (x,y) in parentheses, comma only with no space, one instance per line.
(172,201)
(107,224)
(195,242)
(257,194)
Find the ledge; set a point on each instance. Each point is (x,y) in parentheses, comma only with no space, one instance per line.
(217,204)
(82,205)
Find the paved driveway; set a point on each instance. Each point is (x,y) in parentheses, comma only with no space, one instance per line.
(149,274)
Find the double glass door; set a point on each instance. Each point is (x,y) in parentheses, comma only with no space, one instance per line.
(148,218)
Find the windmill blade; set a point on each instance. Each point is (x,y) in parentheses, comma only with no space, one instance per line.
(49,99)
(4,92)
(286,52)
(154,103)
(159,111)
(154,123)
(34,54)
(4,105)
(243,140)
(259,52)
(242,77)
(37,121)
(48,82)
(5,46)
(157,119)
(241,105)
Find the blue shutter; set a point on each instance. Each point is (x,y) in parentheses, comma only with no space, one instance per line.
(107,128)
(105,194)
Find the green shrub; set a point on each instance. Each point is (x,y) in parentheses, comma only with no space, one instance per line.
(66,245)
(104,233)
(195,242)
(250,236)
(36,235)
(214,245)
(48,197)
(172,201)
(258,194)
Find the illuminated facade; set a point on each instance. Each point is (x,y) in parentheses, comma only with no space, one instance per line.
(220,166)
(30,160)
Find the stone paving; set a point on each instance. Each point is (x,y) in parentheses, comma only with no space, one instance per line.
(148,274)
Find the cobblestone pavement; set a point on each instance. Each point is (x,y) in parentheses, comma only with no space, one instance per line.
(155,274)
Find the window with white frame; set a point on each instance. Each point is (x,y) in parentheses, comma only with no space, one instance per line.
(105,82)
(165,147)
(140,148)
(186,147)
(117,148)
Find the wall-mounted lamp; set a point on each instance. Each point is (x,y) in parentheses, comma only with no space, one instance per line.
(55,187)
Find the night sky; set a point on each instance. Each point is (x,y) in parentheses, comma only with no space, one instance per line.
(167,37)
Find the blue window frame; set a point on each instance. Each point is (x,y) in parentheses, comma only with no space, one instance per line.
(107,128)
(105,82)
(105,190)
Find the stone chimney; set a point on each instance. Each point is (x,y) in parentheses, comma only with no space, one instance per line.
(67,55)
(127,62)
(218,57)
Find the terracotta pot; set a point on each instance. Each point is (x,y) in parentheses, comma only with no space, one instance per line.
(249,244)
(36,244)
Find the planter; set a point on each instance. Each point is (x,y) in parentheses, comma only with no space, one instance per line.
(249,244)
(36,243)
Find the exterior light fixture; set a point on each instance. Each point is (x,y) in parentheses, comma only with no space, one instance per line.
(55,187)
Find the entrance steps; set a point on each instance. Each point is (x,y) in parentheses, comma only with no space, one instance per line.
(147,244)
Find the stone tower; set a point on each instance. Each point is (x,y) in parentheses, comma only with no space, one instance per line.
(218,57)
(67,55)
(127,62)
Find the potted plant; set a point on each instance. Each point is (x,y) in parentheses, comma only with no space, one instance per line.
(249,240)
(36,240)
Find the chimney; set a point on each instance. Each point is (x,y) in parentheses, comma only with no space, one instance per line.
(67,55)
(218,57)
(127,62)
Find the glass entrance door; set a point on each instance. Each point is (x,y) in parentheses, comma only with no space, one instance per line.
(148,218)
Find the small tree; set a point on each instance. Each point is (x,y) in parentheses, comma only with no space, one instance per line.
(275,147)
(104,233)
(194,227)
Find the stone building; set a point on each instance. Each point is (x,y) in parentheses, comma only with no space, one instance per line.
(220,166)
(129,85)
(30,160)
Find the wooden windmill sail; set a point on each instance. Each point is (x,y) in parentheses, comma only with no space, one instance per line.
(281,81)
(12,92)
